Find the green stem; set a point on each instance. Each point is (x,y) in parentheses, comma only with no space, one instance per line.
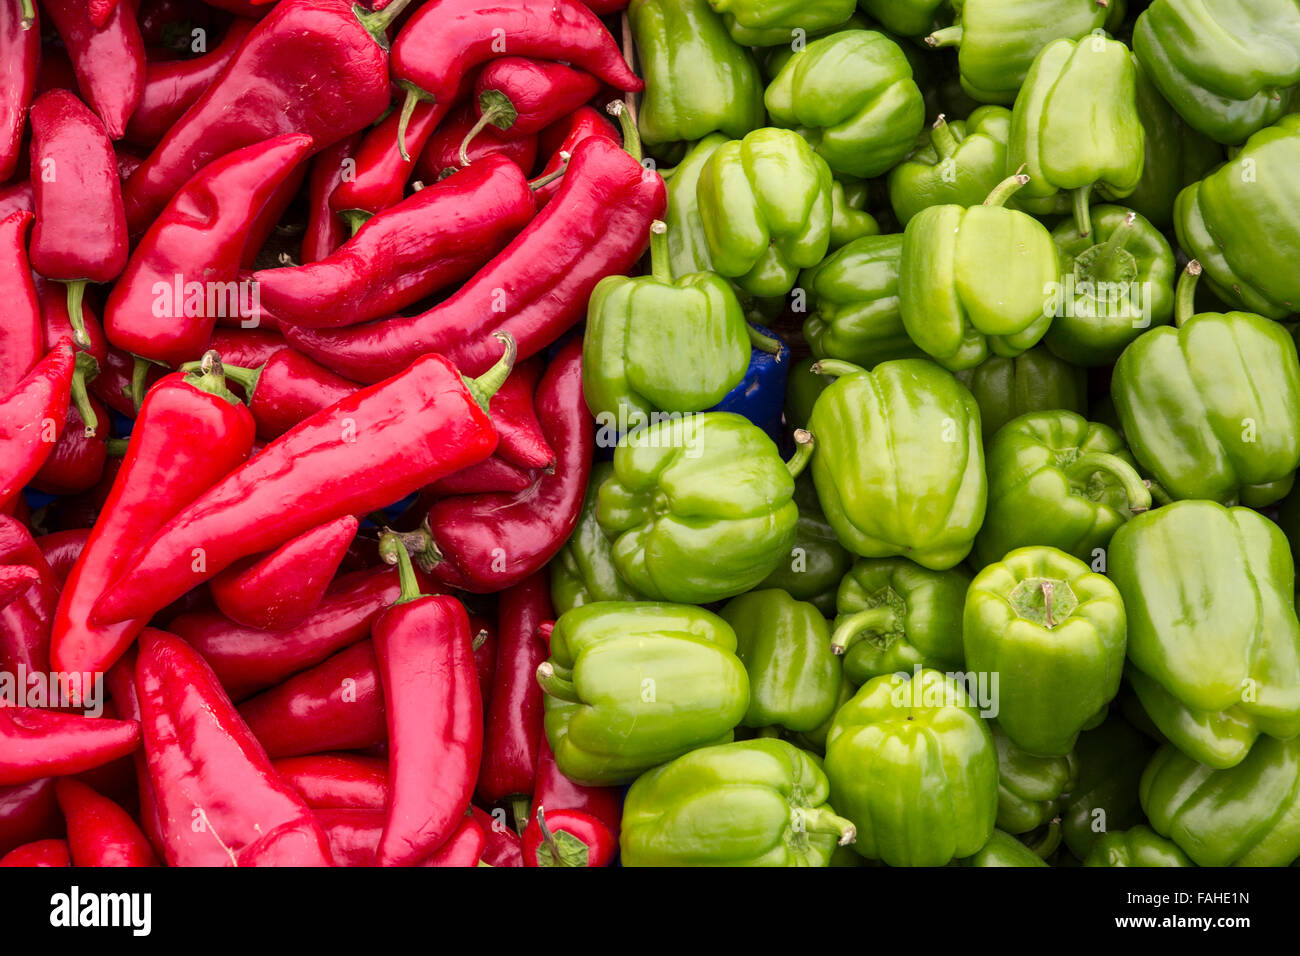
(555,685)
(1158,493)
(872,620)
(948,36)
(945,143)
(409,104)
(834,368)
(487,117)
(77,292)
(1006,189)
(631,138)
(803,449)
(764,343)
(245,378)
(479,639)
(1114,246)
(661,266)
(140,381)
(393,551)
(540,181)
(210,377)
(86,369)
(377,23)
(486,385)
(1082,214)
(355,219)
(1139,495)
(117,446)
(28,8)
(1046,844)
(1048,588)
(824,820)
(1185,296)
(521,807)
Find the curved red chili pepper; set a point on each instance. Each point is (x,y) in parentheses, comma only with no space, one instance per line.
(21,336)
(243,348)
(439,235)
(100,833)
(278,68)
(287,389)
(521,96)
(483,543)
(503,846)
(25,620)
(173,86)
(558,792)
(108,60)
(20,52)
(280,589)
(559,140)
(440,158)
(220,801)
(193,251)
(40,853)
(568,838)
(190,432)
(464,847)
(336,705)
(536,289)
(32,417)
(36,743)
(325,231)
(338,781)
(373,448)
(492,475)
(120,680)
(28,812)
(261,227)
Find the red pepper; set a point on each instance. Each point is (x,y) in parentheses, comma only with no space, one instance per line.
(493,474)
(605,7)
(464,847)
(338,781)
(18,197)
(287,389)
(440,235)
(61,550)
(433,712)
(559,141)
(243,8)
(568,838)
(120,680)
(108,59)
(25,619)
(353,833)
(240,348)
(80,233)
(15,580)
(485,658)
(21,336)
(536,289)
(503,846)
(101,10)
(521,96)
(20,52)
(190,432)
(483,543)
(558,792)
(77,462)
(247,660)
(314,67)
(56,73)
(280,589)
(41,853)
(263,224)
(123,380)
(373,448)
(100,833)
(523,442)
(193,252)
(32,417)
(441,158)
(36,743)
(28,812)
(220,801)
(173,86)
(336,705)
(92,354)
(325,231)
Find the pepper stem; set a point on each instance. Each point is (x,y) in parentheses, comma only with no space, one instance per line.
(378,22)
(803,449)
(404,120)
(77,292)
(1048,588)
(1114,246)
(661,266)
(117,446)
(556,686)
(486,385)
(28,8)
(631,138)
(245,378)
(484,119)
(1006,189)
(86,369)
(872,620)
(393,551)
(948,36)
(419,543)
(140,380)
(764,343)
(1185,296)
(1046,844)
(210,377)
(1082,214)
(540,181)
(834,368)
(1158,493)
(522,807)
(823,820)
(355,219)
(945,143)
(1139,495)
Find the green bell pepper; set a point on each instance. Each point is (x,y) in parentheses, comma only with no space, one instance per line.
(913,765)
(1227,66)
(802,388)
(909,18)
(700,508)
(1029,786)
(749,803)
(785,645)
(814,741)
(629,686)
(1003,849)
(765,204)
(583,572)
(655,344)
(899,465)
(1140,846)
(957,163)
(1110,761)
(975,279)
(1214,642)
(780,22)
(895,616)
(852,95)
(852,297)
(1242,223)
(1033,381)
(1248,815)
(688,249)
(1057,479)
(817,560)
(998,39)
(1075,125)
(1115,283)
(1053,632)
(849,217)
(697,79)
(1212,408)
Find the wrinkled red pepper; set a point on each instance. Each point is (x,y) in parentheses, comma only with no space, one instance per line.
(325,231)
(36,743)
(464,847)
(108,59)
(100,833)
(21,335)
(32,417)
(20,51)
(522,96)
(354,836)
(338,781)
(559,140)
(40,853)
(441,158)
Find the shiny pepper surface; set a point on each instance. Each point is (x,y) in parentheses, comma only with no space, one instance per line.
(1140,846)
(1033,381)
(583,572)
(1029,786)
(957,163)
(775,22)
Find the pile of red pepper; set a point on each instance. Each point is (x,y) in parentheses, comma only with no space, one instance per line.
(284,312)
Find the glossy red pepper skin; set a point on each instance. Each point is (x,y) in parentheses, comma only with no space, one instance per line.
(502,845)
(605,7)
(264,223)
(325,231)
(338,781)
(53,299)
(437,236)
(469,533)
(61,550)
(598,225)
(247,660)
(559,140)
(25,620)
(100,833)
(523,443)
(336,705)
(289,388)
(15,580)
(173,86)
(220,801)
(445,39)
(441,157)
(197,242)
(464,847)
(485,657)
(40,853)
(108,60)
(28,812)
(101,10)
(32,417)
(21,336)
(272,87)
(537,92)
(18,197)
(80,230)
(353,833)
(36,743)
(246,347)
(493,474)
(120,681)
(555,791)
(77,462)
(20,52)
(113,384)
(373,448)
(186,437)
(588,843)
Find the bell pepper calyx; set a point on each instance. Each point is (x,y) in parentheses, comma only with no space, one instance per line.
(496,110)
(393,551)
(210,377)
(486,385)
(559,847)
(1047,602)
(834,368)
(661,266)
(377,23)
(942,137)
(805,820)
(558,687)
(948,36)
(881,624)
